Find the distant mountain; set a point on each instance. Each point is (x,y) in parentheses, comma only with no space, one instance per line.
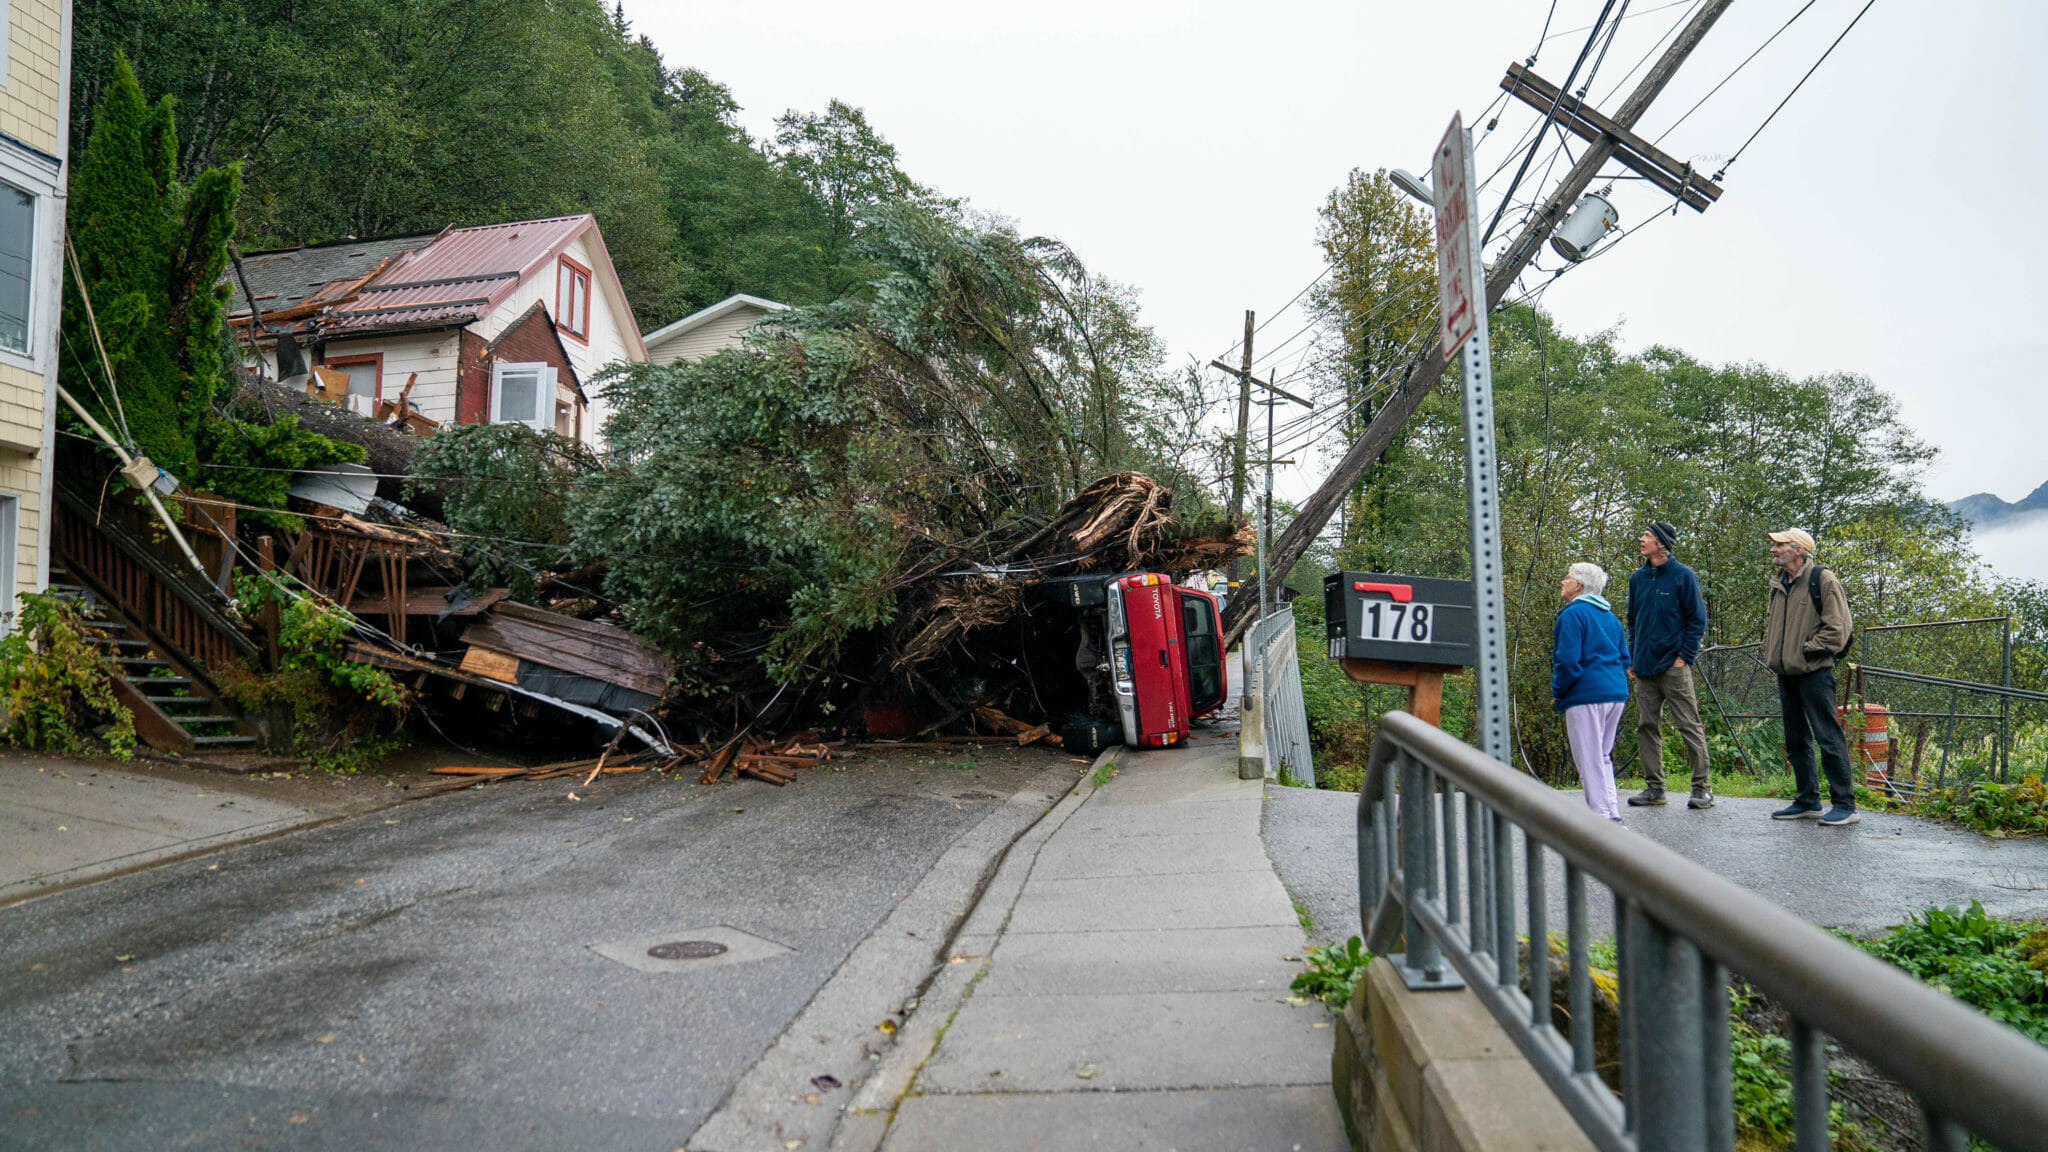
(1984,509)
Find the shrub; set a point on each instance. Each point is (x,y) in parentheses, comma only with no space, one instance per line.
(54,682)
(337,705)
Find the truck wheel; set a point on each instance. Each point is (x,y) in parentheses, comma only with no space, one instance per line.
(1085,735)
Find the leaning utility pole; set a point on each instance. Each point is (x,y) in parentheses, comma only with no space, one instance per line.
(1237,446)
(1614,142)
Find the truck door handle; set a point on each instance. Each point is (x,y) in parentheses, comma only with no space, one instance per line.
(1162,659)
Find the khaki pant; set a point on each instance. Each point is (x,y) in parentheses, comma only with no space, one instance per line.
(1653,693)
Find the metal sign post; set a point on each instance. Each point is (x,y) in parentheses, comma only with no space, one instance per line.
(1461,294)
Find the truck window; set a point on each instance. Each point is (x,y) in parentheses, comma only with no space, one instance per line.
(1205,663)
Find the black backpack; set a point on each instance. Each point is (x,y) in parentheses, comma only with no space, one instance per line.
(1813,589)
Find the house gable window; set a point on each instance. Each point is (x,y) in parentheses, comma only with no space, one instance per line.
(17,265)
(572,298)
(523,394)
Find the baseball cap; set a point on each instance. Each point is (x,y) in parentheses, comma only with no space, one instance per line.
(1797,536)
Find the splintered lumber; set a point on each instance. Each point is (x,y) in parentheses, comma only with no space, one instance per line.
(720,763)
(467,771)
(775,761)
(1034,735)
(763,772)
(995,720)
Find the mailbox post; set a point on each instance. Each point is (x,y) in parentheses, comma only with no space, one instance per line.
(1410,631)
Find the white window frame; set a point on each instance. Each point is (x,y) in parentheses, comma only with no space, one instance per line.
(10,560)
(35,175)
(26,356)
(545,387)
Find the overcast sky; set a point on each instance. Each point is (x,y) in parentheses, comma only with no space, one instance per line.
(1879,225)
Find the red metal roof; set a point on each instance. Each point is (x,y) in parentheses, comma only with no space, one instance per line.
(502,253)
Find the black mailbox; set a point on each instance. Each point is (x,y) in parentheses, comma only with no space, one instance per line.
(1400,619)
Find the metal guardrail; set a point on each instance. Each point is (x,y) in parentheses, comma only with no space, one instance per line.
(1274,663)
(1437,869)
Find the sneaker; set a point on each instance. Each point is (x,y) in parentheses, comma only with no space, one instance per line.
(1701,798)
(1616,819)
(1647,798)
(1797,812)
(1839,815)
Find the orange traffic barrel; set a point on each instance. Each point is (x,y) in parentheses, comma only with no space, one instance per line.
(1877,746)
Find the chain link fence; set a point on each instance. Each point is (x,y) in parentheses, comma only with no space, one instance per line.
(1925,706)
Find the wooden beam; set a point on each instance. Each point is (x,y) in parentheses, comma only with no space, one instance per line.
(1660,168)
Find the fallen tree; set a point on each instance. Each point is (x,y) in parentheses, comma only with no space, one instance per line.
(844,510)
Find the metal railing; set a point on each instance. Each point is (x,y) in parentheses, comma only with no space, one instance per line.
(1274,665)
(1437,855)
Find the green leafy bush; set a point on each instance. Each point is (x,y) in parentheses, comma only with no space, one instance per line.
(54,682)
(1333,972)
(512,484)
(251,463)
(2018,808)
(344,714)
(1998,966)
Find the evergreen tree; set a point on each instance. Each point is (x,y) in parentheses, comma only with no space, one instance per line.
(151,251)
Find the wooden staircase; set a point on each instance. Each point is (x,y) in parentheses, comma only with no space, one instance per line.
(173,711)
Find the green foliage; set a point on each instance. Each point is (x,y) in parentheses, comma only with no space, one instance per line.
(251,464)
(1594,442)
(1105,771)
(377,118)
(1994,965)
(151,250)
(510,483)
(338,705)
(791,483)
(2018,808)
(1333,972)
(54,682)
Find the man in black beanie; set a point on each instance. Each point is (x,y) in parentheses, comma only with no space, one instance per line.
(1667,619)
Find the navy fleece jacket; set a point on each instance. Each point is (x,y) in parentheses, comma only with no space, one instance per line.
(1589,664)
(1667,616)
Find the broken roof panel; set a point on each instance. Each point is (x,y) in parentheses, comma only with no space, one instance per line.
(488,252)
(583,647)
(287,277)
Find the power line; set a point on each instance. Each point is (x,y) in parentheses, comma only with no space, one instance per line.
(1794,92)
(1731,75)
(1548,118)
(1581,28)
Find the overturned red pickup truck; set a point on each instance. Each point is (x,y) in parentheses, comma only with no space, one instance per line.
(1149,653)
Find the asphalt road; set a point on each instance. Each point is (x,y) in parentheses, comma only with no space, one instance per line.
(1863,878)
(428,976)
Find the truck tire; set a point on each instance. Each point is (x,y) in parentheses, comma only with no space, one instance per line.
(1085,735)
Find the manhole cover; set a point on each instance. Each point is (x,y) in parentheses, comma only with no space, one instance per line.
(974,795)
(687,950)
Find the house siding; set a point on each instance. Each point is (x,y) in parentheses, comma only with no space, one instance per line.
(527,342)
(709,337)
(433,355)
(32,102)
(609,317)
(34,110)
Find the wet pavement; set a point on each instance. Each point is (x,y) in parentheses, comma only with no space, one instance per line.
(444,973)
(1863,878)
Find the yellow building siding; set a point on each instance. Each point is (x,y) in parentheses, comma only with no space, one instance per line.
(31,100)
(22,476)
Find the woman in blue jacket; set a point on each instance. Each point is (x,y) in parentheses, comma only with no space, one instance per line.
(1589,681)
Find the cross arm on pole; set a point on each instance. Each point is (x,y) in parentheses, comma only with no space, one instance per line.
(1646,159)
(1270,387)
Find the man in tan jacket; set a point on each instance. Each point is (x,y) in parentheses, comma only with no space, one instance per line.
(1804,634)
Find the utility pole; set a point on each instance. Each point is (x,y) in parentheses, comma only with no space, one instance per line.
(1274,394)
(1424,372)
(1237,446)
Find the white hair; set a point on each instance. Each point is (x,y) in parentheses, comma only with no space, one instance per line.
(1591,577)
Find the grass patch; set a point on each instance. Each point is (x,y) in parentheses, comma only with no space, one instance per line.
(1104,771)
(1308,922)
(963,765)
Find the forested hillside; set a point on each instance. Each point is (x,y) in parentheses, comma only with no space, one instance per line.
(379,117)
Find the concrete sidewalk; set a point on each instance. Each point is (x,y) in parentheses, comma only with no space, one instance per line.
(66,821)
(1122,983)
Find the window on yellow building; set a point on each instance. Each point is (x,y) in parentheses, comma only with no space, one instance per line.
(17,260)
